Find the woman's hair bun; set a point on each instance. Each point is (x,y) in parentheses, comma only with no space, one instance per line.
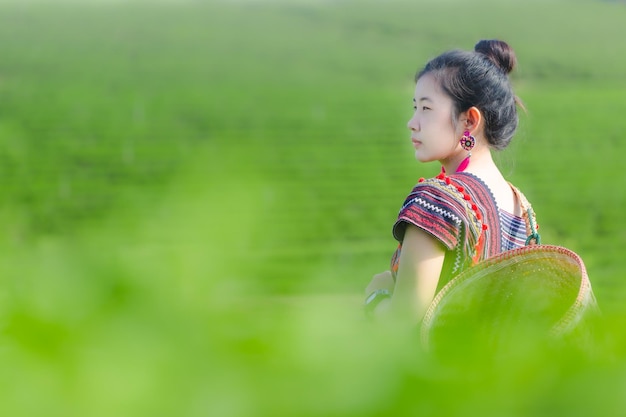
(498,52)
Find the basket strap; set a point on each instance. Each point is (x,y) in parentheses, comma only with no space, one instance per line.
(529,217)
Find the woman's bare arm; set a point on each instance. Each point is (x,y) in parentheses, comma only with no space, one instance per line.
(421,262)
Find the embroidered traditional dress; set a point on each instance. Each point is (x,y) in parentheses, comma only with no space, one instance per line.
(460,212)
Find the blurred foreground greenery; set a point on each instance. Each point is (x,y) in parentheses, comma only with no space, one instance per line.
(195,194)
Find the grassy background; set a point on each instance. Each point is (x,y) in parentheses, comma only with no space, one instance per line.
(195,194)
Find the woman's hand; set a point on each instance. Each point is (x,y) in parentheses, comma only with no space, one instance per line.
(377,304)
(384,280)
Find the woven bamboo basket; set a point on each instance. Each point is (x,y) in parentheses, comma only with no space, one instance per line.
(536,290)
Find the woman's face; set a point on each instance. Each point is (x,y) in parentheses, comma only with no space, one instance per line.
(433,134)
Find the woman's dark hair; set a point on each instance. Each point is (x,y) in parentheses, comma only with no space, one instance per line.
(480,79)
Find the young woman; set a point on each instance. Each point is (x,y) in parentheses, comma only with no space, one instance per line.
(464,108)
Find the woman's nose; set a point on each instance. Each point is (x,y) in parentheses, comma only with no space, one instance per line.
(412,123)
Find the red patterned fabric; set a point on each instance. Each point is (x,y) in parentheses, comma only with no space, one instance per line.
(460,212)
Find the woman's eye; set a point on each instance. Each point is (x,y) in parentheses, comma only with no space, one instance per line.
(425,108)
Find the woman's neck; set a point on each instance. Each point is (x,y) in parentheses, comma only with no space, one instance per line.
(479,163)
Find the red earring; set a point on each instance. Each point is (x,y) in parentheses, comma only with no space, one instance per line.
(467,141)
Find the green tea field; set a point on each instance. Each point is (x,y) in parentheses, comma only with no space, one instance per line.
(195,194)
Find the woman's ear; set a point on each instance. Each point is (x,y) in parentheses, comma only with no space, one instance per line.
(473,117)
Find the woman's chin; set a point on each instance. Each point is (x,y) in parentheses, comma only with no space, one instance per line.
(420,157)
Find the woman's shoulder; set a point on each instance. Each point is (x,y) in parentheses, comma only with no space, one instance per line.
(435,190)
(433,206)
(494,191)
(449,196)
(445,206)
(461,186)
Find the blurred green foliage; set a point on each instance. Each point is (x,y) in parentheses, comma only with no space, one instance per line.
(195,194)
